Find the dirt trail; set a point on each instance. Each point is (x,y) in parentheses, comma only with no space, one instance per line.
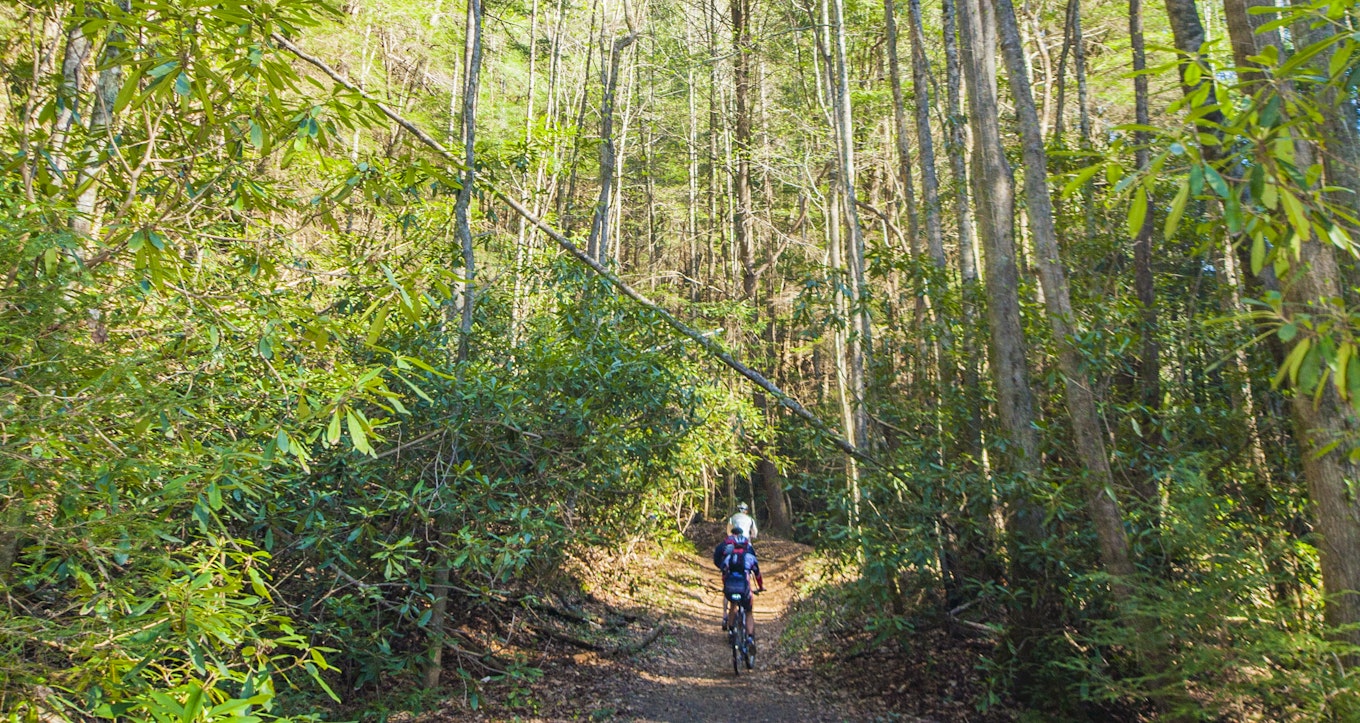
(690,679)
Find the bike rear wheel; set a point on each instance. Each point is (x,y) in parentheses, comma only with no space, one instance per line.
(737,636)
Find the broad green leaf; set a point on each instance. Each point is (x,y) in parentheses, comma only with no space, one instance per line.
(1173,218)
(1138,211)
(356,433)
(333,429)
(1258,254)
(1081,178)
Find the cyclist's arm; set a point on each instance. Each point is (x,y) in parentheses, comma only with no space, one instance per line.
(759,580)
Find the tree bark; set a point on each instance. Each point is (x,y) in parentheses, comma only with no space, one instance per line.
(1314,287)
(110,80)
(462,222)
(69,91)
(598,244)
(1081,404)
(993,189)
(925,143)
(957,147)
(1149,363)
(861,339)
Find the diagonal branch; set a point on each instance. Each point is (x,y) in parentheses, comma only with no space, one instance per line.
(671,320)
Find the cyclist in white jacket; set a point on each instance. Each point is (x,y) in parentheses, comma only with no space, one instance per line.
(744,521)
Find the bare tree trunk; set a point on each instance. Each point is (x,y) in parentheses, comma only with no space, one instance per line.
(566,202)
(1081,406)
(69,91)
(713,124)
(861,340)
(920,75)
(742,50)
(1088,194)
(1313,287)
(957,147)
(692,181)
(994,191)
(840,342)
(598,244)
(473,49)
(1149,364)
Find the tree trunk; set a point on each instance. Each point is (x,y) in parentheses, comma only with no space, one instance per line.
(920,76)
(1149,364)
(69,91)
(86,221)
(1314,287)
(742,51)
(993,189)
(861,340)
(1088,194)
(598,244)
(1081,405)
(473,57)
(958,166)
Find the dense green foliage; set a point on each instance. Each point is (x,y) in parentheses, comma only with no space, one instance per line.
(236,445)
(245,461)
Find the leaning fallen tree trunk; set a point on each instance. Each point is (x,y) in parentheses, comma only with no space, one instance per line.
(671,320)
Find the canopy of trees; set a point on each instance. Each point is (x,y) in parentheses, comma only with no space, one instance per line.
(325,326)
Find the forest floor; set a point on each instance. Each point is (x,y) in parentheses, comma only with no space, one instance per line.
(684,674)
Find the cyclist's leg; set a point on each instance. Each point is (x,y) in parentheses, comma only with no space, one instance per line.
(750,614)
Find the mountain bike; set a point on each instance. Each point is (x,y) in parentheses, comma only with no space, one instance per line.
(743,647)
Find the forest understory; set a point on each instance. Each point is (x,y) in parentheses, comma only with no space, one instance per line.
(354,354)
(805,671)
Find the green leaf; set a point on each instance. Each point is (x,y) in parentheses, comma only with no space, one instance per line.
(333,429)
(1258,253)
(256,135)
(379,323)
(1193,74)
(1342,366)
(1288,332)
(1173,218)
(1298,218)
(1290,368)
(193,704)
(1081,178)
(1138,211)
(356,433)
(1216,182)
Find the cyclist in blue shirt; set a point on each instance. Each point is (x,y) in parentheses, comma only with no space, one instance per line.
(736,558)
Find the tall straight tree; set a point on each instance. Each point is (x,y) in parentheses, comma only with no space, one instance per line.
(611,53)
(743,48)
(925,142)
(861,337)
(995,196)
(957,147)
(1081,404)
(463,225)
(1314,289)
(1149,363)
(908,203)
(108,83)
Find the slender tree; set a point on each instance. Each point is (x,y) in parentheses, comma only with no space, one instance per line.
(1081,404)
(993,189)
